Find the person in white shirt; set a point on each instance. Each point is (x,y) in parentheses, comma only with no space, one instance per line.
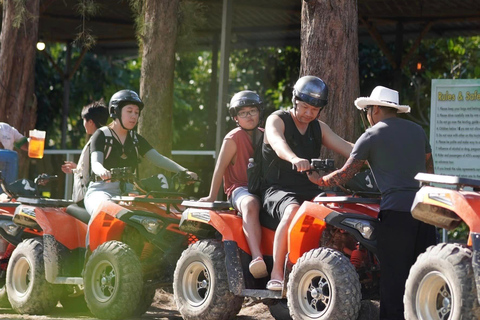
(10,138)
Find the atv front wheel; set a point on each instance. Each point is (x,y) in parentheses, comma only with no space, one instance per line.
(324,285)
(113,281)
(28,290)
(200,284)
(441,285)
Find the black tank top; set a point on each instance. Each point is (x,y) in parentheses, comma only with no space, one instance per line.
(279,172)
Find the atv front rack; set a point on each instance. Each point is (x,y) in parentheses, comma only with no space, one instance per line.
(426,178)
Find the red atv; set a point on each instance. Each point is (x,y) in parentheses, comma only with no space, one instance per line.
(10,233)
(331,247)
(444,282)
(129,253)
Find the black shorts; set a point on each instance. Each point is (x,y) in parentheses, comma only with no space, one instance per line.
(276,200)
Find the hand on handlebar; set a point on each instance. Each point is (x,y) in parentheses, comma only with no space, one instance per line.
(301,165)
(105,174)
(192,175)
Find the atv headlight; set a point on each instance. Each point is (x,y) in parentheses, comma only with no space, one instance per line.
(364,227)
(10,227)
(152,225)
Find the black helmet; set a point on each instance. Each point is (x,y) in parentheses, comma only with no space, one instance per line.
(312,90)
(245,98)
(121,99)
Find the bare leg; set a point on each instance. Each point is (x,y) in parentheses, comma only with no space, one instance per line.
(281,241)
(250,207)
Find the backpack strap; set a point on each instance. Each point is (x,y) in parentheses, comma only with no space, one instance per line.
(133,134)
(108,141)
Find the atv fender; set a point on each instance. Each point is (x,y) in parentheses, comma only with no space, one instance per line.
(447,208)
(306,229)
(106,226)
(55,222)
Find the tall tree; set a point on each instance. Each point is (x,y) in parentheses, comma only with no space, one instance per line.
(157,30)
(18,37)
(329,50)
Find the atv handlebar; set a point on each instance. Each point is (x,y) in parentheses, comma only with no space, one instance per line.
(126,174)
(13,192)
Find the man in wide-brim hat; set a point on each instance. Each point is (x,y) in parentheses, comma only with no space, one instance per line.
(396,150)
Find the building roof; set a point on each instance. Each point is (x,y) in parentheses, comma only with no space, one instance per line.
(264,22)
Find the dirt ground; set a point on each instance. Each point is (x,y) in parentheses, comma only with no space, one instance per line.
(163,308)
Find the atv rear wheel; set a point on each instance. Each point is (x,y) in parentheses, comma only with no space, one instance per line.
(200,285)
(113,281)
(28,290)
(324,285)
(441,285)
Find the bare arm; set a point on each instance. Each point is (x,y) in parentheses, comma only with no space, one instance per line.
(339,177)
(225,156)
(429,163)
(275,137)
(333,142)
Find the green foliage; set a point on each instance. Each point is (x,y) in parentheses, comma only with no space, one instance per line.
(98,77)
(267,71)
(86,9)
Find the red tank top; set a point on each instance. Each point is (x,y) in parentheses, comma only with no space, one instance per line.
(236,174)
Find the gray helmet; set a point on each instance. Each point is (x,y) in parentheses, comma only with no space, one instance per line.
(121,99)
(312,90)
(242,99)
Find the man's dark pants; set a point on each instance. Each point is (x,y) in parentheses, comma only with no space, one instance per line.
(400,239)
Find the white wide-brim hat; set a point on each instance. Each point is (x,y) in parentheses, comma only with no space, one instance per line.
(382,96)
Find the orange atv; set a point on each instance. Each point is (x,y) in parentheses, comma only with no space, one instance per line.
(130,253)
(331,246)
(444,282)
(10,233)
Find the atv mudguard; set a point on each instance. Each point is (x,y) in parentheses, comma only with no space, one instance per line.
(311,219)
(446,208)
(106,226)
(67,230)
(227,223)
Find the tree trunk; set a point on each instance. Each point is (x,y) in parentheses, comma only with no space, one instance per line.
(329,48)
(18,105)
(156,83)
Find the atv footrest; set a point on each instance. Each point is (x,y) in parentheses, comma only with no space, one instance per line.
(264,294)
(216,205)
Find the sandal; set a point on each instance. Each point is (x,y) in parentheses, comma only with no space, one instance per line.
(258,268)
(275,285)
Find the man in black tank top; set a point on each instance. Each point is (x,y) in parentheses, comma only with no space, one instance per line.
(292,139)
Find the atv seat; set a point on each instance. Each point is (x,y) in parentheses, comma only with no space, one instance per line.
(216,205)
(78,212)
